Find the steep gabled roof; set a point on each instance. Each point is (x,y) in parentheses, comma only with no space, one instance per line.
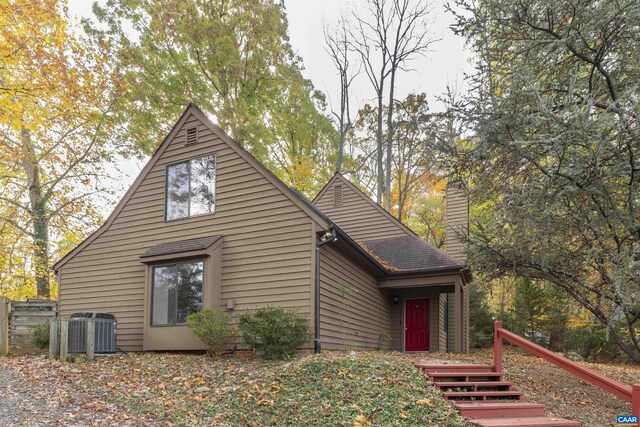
(338,177)
(192,109)
(401,254)
(411,253)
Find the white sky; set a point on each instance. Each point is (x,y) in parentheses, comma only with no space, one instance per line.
(444,65)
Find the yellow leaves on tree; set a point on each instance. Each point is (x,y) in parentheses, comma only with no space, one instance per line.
(56,94)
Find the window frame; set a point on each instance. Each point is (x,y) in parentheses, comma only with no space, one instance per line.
(153,283)
(166,187)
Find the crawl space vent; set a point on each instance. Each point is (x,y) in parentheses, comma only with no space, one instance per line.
(192,135)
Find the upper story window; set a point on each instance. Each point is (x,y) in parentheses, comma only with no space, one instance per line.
(191,188)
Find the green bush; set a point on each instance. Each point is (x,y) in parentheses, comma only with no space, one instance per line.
(592,343)
(40,335)
(480,318)
(273,332)
(214,328)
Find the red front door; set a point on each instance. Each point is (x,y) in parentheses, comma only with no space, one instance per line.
(416,325)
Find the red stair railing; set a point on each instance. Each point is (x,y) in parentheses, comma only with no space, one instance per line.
(623,391)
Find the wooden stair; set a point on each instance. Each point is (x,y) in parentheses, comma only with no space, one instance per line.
(485,399)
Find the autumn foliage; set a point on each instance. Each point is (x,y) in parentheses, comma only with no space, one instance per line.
(56,95)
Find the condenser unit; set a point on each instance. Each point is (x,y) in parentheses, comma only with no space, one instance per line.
(105,335)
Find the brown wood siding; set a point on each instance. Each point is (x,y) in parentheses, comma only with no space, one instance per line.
(397,317)
(354,318)
(356,215)
(265,254)
(457,219)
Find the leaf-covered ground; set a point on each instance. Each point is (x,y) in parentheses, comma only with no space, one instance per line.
(565,395)
(350,389)
(354,389)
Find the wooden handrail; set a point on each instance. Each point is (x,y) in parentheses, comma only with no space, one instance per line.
(623,391)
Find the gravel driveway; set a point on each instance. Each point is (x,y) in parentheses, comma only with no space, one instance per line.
(29,398)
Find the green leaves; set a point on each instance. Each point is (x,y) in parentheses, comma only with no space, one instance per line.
(233,59)
(274,333)
(555,166)
(214,328)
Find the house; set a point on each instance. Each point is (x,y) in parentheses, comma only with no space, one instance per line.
(206,225)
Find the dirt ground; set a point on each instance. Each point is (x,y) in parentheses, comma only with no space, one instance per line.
(36,392)
(565,395)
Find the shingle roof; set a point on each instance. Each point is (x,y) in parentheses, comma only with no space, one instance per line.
(198,244)
(398,254)
(410,253)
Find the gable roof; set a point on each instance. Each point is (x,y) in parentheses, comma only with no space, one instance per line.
(191,109)
(337,176)
(166,248)
(399,254)
(411,253)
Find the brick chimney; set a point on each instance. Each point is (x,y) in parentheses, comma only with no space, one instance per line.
(457,219)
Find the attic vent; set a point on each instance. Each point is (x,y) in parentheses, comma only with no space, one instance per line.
(192,135)
(337,195)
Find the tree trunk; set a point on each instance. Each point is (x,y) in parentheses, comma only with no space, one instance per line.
(380,172)
(340,153)
(39,218)
(387,201)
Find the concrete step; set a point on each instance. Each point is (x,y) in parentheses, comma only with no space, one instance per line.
(454,367)
(483,395)
(500,409)
(525,422)
(474,385)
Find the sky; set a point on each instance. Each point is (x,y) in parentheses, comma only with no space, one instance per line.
(444,65)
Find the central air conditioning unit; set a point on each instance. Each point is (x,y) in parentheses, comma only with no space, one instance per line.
(105,335)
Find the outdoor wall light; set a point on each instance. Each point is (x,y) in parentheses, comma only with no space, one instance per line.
(395,300)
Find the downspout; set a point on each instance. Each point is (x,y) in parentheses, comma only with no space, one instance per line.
(328,237)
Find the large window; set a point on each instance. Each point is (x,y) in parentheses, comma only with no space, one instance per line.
(176,292)
(191,188)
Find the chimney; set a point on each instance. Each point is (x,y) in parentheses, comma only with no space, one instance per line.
(457,219)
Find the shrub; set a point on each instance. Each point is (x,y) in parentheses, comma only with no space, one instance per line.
(273,332)
(214,328)
(40,335)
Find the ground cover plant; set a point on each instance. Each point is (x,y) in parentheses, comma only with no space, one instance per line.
(365,389)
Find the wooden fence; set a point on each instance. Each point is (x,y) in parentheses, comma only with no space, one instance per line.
(16,320)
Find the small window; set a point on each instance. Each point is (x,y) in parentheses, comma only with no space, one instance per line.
(192,135)
(337,195)
(176,292)
(191,188)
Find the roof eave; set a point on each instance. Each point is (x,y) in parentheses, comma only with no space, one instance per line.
(344,236)
(459,269)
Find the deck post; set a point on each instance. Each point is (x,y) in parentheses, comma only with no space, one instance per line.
(635,400)
(64,339)
(497,347)
(53,338)
(91,339)
(4,326)
(459,317)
